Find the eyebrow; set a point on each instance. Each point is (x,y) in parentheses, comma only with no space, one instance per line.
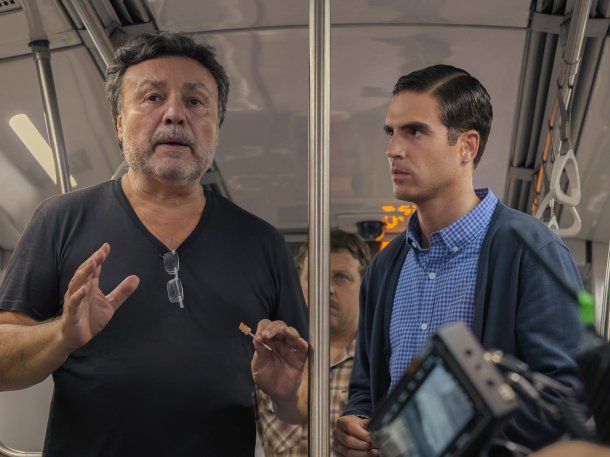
(196,85)
(160,84)
(151,82)
(414,125)
(340,270)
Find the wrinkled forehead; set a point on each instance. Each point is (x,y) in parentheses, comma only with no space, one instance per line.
(169,72)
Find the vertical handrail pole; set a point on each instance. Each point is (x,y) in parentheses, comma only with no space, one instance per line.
(42,58)
(604,328)
(319,227)
(96,30)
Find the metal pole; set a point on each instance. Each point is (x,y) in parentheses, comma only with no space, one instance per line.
(574,42)
(570,61)
(6,451)
(605,314)
(319,227)
(96,30)
(42,57)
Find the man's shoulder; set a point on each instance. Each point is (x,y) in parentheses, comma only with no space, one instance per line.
(505,218)
(76,202)
(77,198)
(234,215)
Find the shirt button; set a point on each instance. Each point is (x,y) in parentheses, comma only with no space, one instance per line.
(424,326)
(455,249)
(432,275)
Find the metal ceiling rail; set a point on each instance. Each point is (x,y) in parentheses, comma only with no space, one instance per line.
(319,227)
(546,39)
(558,145)
(96,30)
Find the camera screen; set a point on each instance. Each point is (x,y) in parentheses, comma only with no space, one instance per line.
(431,419)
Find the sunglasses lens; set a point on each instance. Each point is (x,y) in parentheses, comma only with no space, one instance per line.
(171,262)
(175,292)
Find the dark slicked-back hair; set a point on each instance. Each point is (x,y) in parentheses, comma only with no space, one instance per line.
(149,46)
(464,103)
(340,239)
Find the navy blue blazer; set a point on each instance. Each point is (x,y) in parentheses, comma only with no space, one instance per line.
(518,308)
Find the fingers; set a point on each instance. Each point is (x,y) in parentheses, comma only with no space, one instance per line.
(351,433)
(269,331)
(351,442)
(71,304)
(122,292)
(87,268)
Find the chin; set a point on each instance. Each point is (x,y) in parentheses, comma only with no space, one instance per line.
(177,173)
(404,195)
(332,323)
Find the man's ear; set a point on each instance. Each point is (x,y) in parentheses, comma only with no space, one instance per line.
(119,127)
(470,140)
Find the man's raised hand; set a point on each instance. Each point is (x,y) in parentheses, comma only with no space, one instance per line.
(87,309)
(279,372)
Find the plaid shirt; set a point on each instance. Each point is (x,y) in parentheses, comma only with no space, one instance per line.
(436,286)
(287,440)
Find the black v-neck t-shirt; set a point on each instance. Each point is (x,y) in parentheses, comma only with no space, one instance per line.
(158,380)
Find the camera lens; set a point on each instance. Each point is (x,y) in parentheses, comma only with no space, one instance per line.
(370,230)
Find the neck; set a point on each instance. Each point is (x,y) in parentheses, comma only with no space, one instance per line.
(438,212)
(338,343)
(140,188)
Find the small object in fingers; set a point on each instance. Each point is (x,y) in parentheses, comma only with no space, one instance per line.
(248,332)
(244,328)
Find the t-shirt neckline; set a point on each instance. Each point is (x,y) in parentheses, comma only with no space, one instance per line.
(157,243)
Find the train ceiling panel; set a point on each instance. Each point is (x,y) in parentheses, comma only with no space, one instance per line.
(503,13)
(263,151)
(89,134)
(197,16)
(192,16)
(45,20)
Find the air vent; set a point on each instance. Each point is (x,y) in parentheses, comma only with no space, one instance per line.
(130,12)
(9,5)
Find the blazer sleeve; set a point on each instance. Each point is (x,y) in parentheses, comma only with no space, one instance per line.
(359,402)
(548,331)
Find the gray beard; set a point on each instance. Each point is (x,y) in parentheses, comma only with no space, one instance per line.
(186,173)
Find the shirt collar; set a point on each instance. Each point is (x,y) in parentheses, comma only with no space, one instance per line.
(348,353)
(460,232)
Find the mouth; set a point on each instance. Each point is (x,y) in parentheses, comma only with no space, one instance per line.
(172,142)
(398,173)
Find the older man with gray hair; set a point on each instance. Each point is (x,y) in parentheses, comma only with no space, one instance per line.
(143,341)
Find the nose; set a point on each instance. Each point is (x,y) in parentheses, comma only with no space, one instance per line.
(332,290)
(396,148)
(175,111)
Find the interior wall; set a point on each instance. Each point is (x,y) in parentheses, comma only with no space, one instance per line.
(599,258)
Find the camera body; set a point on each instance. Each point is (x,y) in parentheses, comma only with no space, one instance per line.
(453,403)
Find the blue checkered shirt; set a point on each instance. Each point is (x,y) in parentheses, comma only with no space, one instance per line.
(436,286)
